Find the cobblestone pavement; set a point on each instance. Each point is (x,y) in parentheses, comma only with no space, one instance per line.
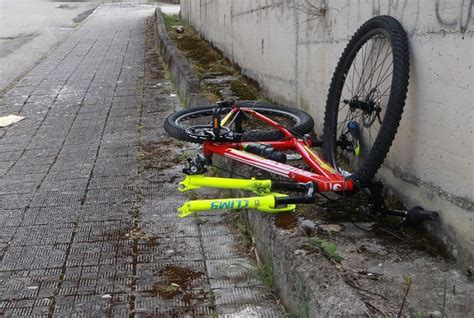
(88,191)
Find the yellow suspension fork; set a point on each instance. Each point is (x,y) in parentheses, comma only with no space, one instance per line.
(265,203)
(268,202)
(192,182)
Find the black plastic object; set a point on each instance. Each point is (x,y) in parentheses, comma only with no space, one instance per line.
(308,197)
(417,215)
(266,151)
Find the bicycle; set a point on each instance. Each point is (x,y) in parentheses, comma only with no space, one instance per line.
(363,110)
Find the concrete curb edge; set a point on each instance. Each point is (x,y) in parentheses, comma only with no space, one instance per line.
(187,81)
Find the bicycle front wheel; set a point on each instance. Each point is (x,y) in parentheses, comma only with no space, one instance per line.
(366,99)
(180,124)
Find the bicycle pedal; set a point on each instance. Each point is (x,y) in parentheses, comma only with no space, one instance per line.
(417,215)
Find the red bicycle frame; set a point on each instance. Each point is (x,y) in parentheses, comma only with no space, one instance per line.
(323,175)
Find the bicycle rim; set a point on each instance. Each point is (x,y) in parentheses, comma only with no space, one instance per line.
(368,92)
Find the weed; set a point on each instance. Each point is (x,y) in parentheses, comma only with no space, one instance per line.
(138,193)
(445,298)
(182,100)
(408,281)
(328,248)
(140,156)
(171,20)
(303,295)
(178,143)
(199,221)
(182,157)
(242,232)
(415,314)
(135,206)
(170,77)
(265,275)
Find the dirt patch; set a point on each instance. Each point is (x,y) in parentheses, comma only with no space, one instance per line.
(181,276)
(129,233)
(178,281)
(286,221)
(155,69)
(157,155)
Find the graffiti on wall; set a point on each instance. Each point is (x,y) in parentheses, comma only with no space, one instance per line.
(457,18)
(462,21)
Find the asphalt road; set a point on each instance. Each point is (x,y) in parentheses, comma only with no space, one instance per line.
(31,28)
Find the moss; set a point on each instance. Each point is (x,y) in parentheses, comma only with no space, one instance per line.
(213,89)
(244,90)
(213,98)
(171,20)
(208,62)
(213,69)
(220,69)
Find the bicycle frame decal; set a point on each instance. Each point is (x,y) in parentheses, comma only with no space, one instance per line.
(265,203)
(323,164)
(231,204)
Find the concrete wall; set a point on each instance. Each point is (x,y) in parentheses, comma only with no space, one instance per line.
(291,48)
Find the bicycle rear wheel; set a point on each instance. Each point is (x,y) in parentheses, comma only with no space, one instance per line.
(366,99)
(180,124)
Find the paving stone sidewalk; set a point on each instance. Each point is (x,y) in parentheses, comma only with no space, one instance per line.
(88,191)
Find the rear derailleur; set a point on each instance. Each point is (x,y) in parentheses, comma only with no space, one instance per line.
(197,166)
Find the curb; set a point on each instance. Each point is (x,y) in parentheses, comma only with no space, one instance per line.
(307,283)
(186,80)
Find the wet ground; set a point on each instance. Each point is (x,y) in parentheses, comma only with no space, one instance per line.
(88,190)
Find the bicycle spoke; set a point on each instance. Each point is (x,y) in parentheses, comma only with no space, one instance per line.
(377,68)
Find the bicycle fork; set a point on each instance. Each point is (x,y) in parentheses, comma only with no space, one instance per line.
(266,201)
